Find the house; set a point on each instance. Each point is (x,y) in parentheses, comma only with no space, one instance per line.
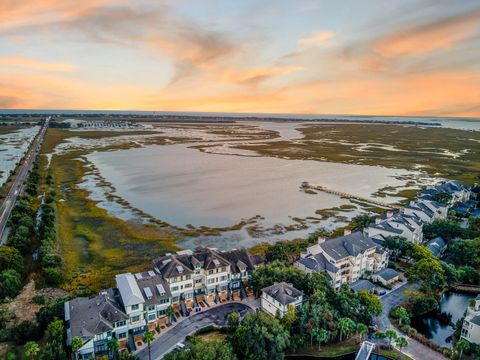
(241,267)
(363,284)
(455,189)
(408,226)
(426,210)
(344,259)
(471,323)
(437,246)
(386,276)
(132,301)
(96,320)
(279,297)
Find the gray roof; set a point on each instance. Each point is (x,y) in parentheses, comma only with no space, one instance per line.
(317,263)
(362,285)
(282,292)
(153,287)
(475,320)
(387,274)
(238,258)
(129,290)
(349,245)
(437,245)
(96,315)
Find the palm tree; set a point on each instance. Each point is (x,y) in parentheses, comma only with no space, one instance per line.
(401,342)
(31,349)
(148,337)
(77,343)
(321,335)
(380,335)
(362,330)
(113,347)
(461,346)
(391,335)
(345,326)
(170,312)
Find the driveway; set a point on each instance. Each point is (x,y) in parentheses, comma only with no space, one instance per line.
(214,316)
(415,349)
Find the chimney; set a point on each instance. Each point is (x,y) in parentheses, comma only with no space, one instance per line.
(389,213)
(378,220)
(347,232)
(321,239)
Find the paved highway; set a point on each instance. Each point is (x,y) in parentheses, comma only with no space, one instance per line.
(16,188)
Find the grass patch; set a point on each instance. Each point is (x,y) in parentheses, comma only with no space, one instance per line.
(331,350)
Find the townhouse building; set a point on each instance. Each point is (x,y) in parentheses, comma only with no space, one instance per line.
(344,259)
(471,323)
(400,224)
(426,210)
(457,191)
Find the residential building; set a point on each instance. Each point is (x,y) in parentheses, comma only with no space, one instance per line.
(437,246)
(471,323)
(426,210)
(386,276)
(279,297)
(400,224)
(455,189)
(96,320)
(363,284)
(344,259)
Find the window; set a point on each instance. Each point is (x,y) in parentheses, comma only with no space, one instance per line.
(223,278)
(161,313)
(151,317)
(164,301)
(188,277)
(224,269)
(198,281)
(210,272)
(122,335)
(120,323)
(188,286)
(109,334)
(150,307)
(134,307)
(174,288)
(211,281)
(135,318)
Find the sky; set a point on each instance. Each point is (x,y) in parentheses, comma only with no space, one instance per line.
(395,57)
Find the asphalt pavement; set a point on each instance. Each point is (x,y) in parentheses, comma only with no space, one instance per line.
(214,316)
(17,186)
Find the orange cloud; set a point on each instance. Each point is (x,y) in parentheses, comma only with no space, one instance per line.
(442,34)
(257,75)
(319,38)
(35,64)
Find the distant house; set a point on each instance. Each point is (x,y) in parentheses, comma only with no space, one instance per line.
(471,323)
(362,285)
(455,189)
(279,297)
(426,210)
(386,276)
(437,246)
(344,259)
(96,320)
(409,227)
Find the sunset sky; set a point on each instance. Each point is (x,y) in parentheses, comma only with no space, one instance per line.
(306,56)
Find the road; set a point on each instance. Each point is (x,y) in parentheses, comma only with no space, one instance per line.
(215,316)
(16,188)
(415,349)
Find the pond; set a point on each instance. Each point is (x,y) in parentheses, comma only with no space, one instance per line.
(439,325)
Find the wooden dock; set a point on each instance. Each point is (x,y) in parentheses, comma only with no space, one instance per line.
(306,186)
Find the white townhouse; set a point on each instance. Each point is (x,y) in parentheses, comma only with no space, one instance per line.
(455,189)
(426,210)
(471,323)
(344,259)
(400,224)
(279,297)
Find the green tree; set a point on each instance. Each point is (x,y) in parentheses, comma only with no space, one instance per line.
(391,335)
(380,335)
(321,336)
(113,348)
(77,343)
(401,314)
(401,342)
(429,271)
(371,303)
(55,331)
(196,348)
(53,350)
(461,346)
(148,337)
(233,320)
(170,312)
(345,327)
(10,283)
(446,228)
(397,245)
(10,258)
(31,350)
(362,331)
